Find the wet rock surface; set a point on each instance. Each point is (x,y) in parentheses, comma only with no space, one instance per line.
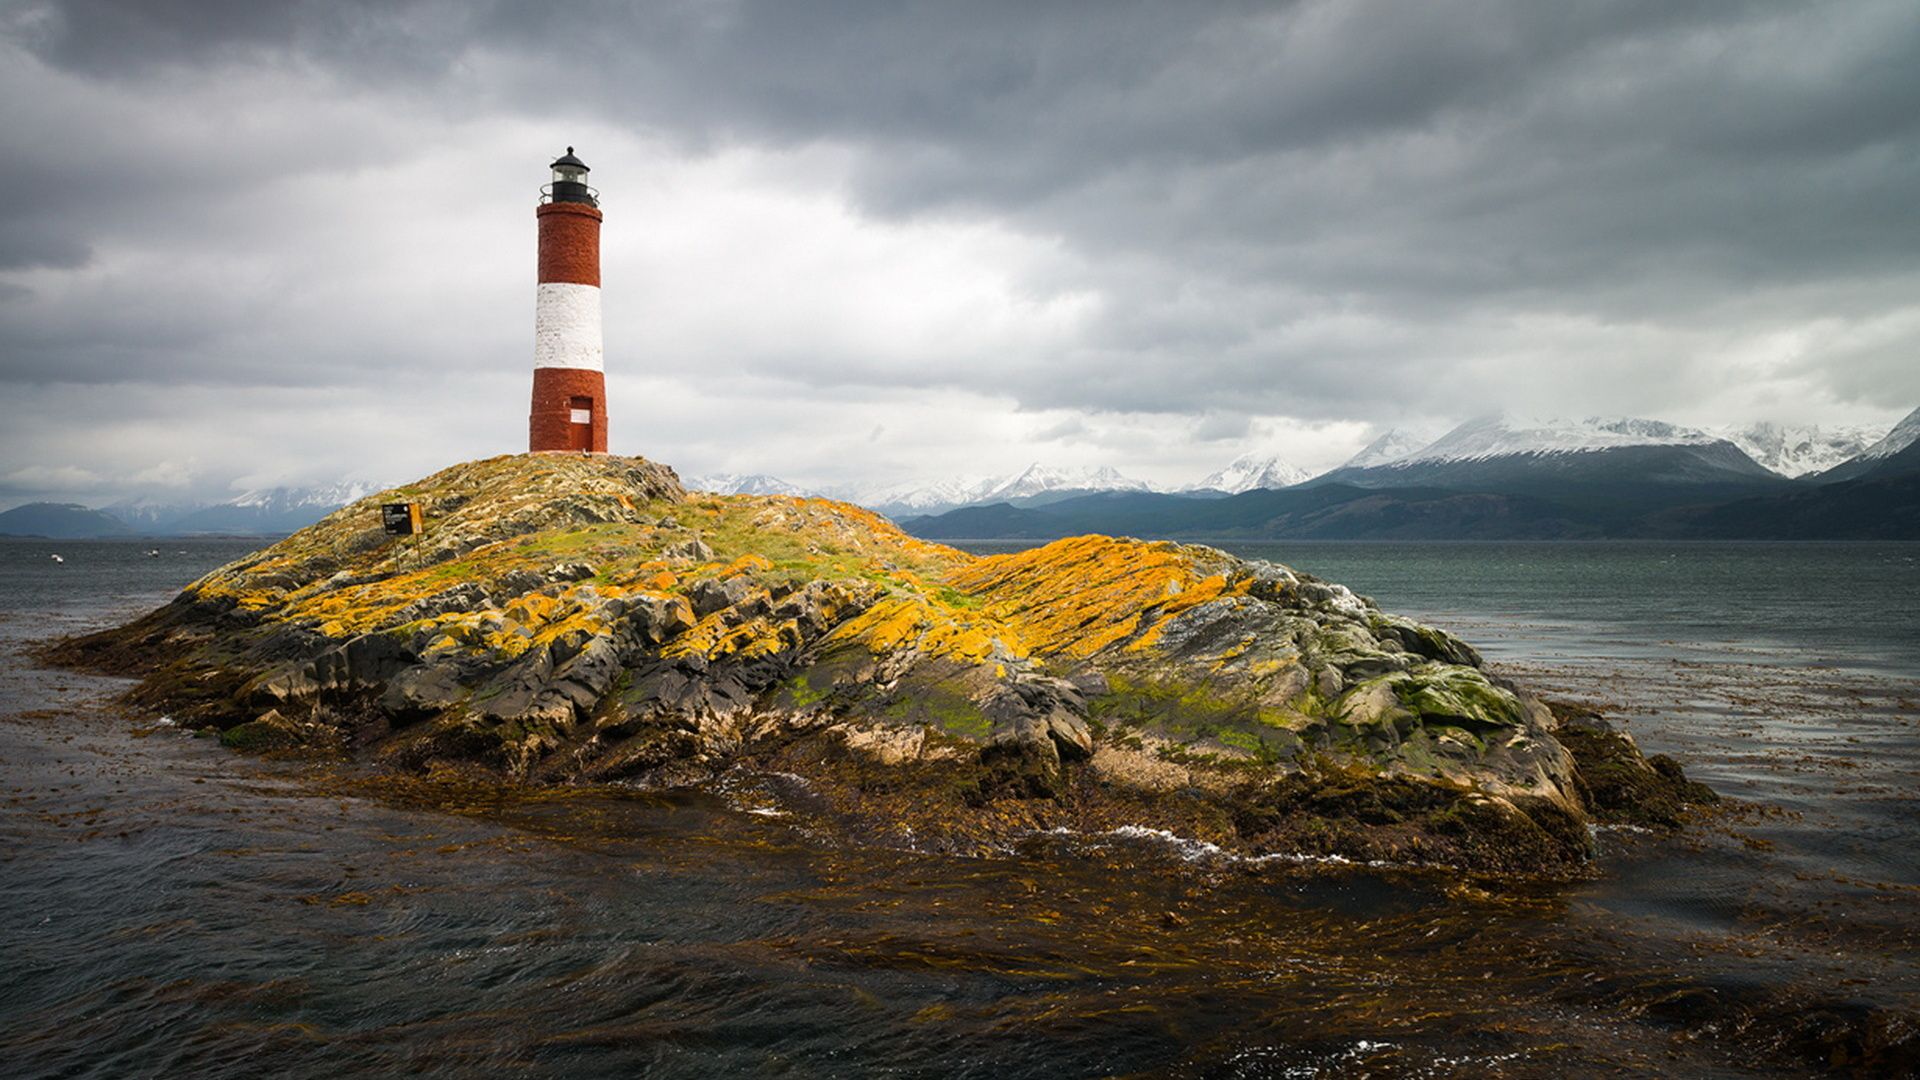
(570,618)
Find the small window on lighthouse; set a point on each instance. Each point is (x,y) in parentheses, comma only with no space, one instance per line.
(581,409)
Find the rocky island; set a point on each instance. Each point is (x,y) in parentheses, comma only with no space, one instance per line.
(584,619)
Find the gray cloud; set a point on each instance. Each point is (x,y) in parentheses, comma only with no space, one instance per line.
(1145,218)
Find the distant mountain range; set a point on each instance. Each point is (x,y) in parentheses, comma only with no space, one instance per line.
(745,484)
(267,512)
(1393,445)
(1801,451)
(1606,464)
(61,521)
(1035,483)
(1250,472)
(1883,454)
(1491,477)
(1593,463)
(1509,478)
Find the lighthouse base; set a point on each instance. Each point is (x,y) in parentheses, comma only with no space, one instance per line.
(569,410)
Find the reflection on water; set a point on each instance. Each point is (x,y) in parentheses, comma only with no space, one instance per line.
(174,909)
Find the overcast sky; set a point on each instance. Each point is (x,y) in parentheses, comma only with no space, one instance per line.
(246,243)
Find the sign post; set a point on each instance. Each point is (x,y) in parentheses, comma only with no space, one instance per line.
(401,519)
(404,519)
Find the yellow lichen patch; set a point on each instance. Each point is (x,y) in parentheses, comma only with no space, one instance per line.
(572,621)
(759,637)
(817,538)
(352,611)
(682,610)
(507,647)
(701,639)
(1078,596)
(1204,591)
(968,641)
(747,564)
(890,624)
(718,636)
(910,622)
(532,609)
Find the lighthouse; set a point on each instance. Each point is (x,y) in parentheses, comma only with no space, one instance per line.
(569,382)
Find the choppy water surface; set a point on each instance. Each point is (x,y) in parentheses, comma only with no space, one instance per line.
(170,908)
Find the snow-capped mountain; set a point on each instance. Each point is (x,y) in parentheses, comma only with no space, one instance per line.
(913,497)
(921,497)
(1895,443)
(1798,450)
(274,511)
(1605,457)
(1393,445)
(744,484)
(1904,434)
(150,516)
(1501,436)
(1251,472)
(1037,479)
(916,497)
(331,497)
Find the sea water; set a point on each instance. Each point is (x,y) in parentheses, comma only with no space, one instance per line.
(170,908)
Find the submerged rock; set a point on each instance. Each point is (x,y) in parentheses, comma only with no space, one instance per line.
(585,618)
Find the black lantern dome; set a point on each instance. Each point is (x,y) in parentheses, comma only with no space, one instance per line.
(570,181)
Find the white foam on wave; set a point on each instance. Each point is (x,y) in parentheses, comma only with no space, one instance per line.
(1186,847)
(1595,829)
(1190,849)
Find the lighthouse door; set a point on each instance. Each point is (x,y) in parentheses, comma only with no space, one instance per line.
(580,430)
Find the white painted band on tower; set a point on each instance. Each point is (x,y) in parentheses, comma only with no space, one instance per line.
(566,327)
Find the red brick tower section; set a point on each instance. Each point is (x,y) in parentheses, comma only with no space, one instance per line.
(569,387)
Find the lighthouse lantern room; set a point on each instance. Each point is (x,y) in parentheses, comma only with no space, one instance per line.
(570,181)
(569,387)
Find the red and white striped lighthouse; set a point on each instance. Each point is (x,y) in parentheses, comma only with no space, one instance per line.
(569,381)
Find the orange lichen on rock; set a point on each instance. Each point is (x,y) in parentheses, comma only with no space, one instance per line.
(889,624)
(760,637)
(747,564)
(1075,597)
(1206,590)
(911,623)
(703,639)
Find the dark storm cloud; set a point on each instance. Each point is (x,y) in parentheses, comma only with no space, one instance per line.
(1688,132)
(1620,162)
(1311,209)
(120,39)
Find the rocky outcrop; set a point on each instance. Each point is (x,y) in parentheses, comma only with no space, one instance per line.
(570,618)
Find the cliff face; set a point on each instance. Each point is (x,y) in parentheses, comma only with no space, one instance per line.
(572,618)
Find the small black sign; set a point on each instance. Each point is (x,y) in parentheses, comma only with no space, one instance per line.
(400,519)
